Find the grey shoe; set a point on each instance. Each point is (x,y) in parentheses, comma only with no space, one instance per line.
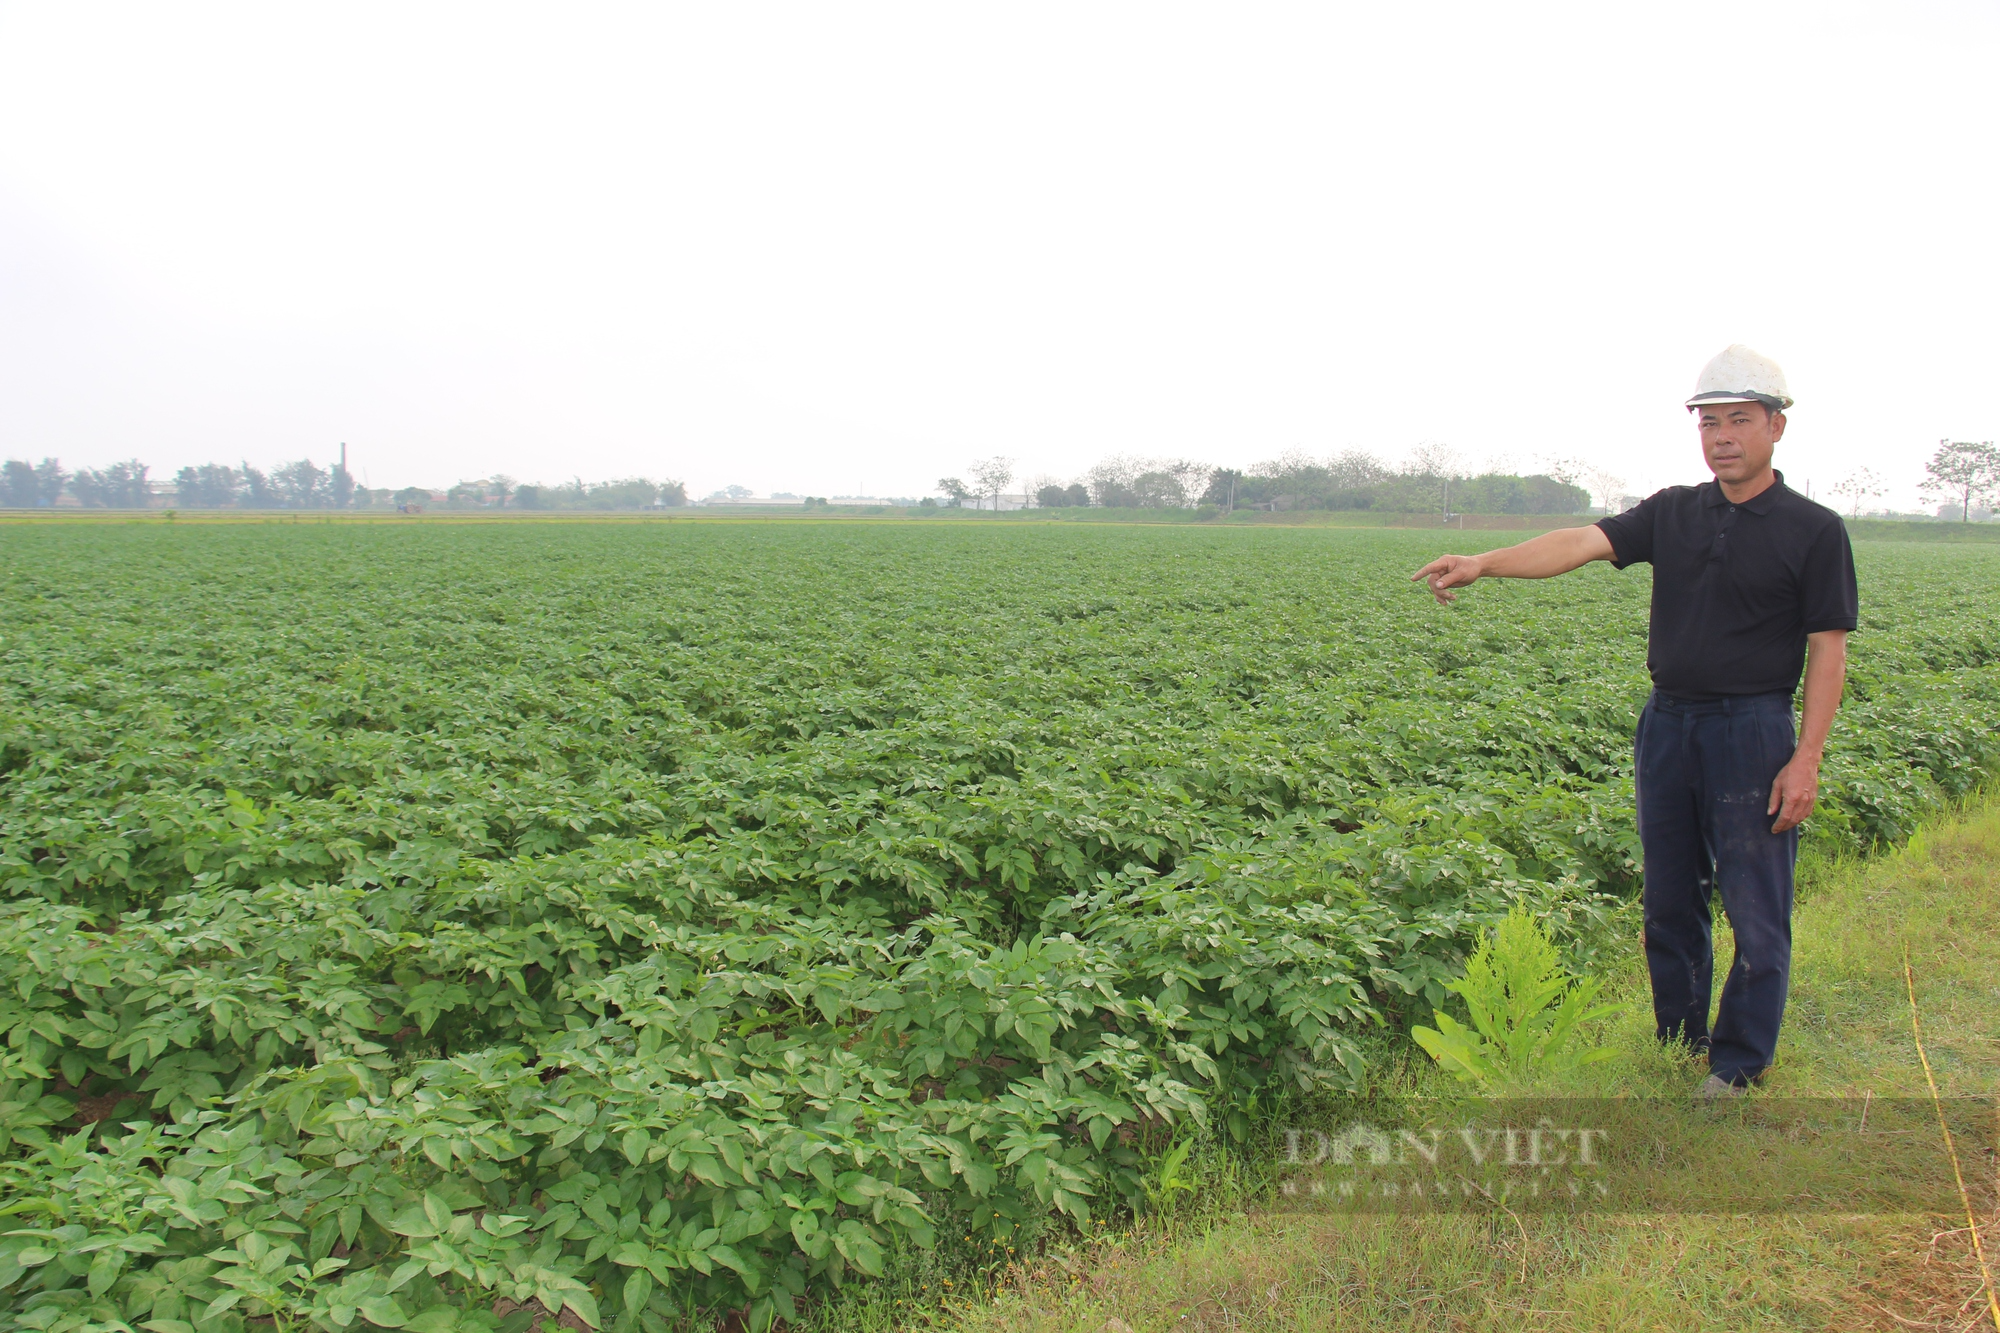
(1714,1088)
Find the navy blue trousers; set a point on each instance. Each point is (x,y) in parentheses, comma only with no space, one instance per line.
(1704,773)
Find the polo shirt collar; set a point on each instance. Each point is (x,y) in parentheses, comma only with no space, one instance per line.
(1760,503)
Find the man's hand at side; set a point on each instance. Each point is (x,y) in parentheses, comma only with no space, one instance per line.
(1796,788)
(1541,557)
(1794,792)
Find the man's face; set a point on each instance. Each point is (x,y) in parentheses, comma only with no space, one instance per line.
(1738,438)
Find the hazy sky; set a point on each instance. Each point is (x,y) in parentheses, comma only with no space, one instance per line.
(829,248)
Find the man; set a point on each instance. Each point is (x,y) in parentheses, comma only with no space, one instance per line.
(1752,582)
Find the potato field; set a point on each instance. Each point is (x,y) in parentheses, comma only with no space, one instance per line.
(456,927)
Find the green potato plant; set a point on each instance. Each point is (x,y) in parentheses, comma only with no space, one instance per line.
(464,928)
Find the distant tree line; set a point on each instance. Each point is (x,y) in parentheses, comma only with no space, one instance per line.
(25,485)
(300,485)
(31,485)
(305,485)
(1431,480)
(628,493)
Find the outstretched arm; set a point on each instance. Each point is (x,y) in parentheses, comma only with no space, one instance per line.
(1797,787)
(1541,557)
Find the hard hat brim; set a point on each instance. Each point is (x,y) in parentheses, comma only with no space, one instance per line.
(1772,401)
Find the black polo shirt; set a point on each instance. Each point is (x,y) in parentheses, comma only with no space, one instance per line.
(1736,588)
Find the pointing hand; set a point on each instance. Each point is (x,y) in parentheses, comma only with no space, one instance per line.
(1446,573)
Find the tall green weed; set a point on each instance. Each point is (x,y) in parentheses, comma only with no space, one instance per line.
(1525,1012)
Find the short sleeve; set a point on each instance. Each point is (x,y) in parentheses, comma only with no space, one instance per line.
(1631,532)
(1828,595)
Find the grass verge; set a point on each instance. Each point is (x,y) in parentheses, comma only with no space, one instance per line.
(1227,1259)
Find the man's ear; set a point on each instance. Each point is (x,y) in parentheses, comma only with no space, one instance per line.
(1777,426)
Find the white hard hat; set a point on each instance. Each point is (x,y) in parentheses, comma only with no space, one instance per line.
(1740,375)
